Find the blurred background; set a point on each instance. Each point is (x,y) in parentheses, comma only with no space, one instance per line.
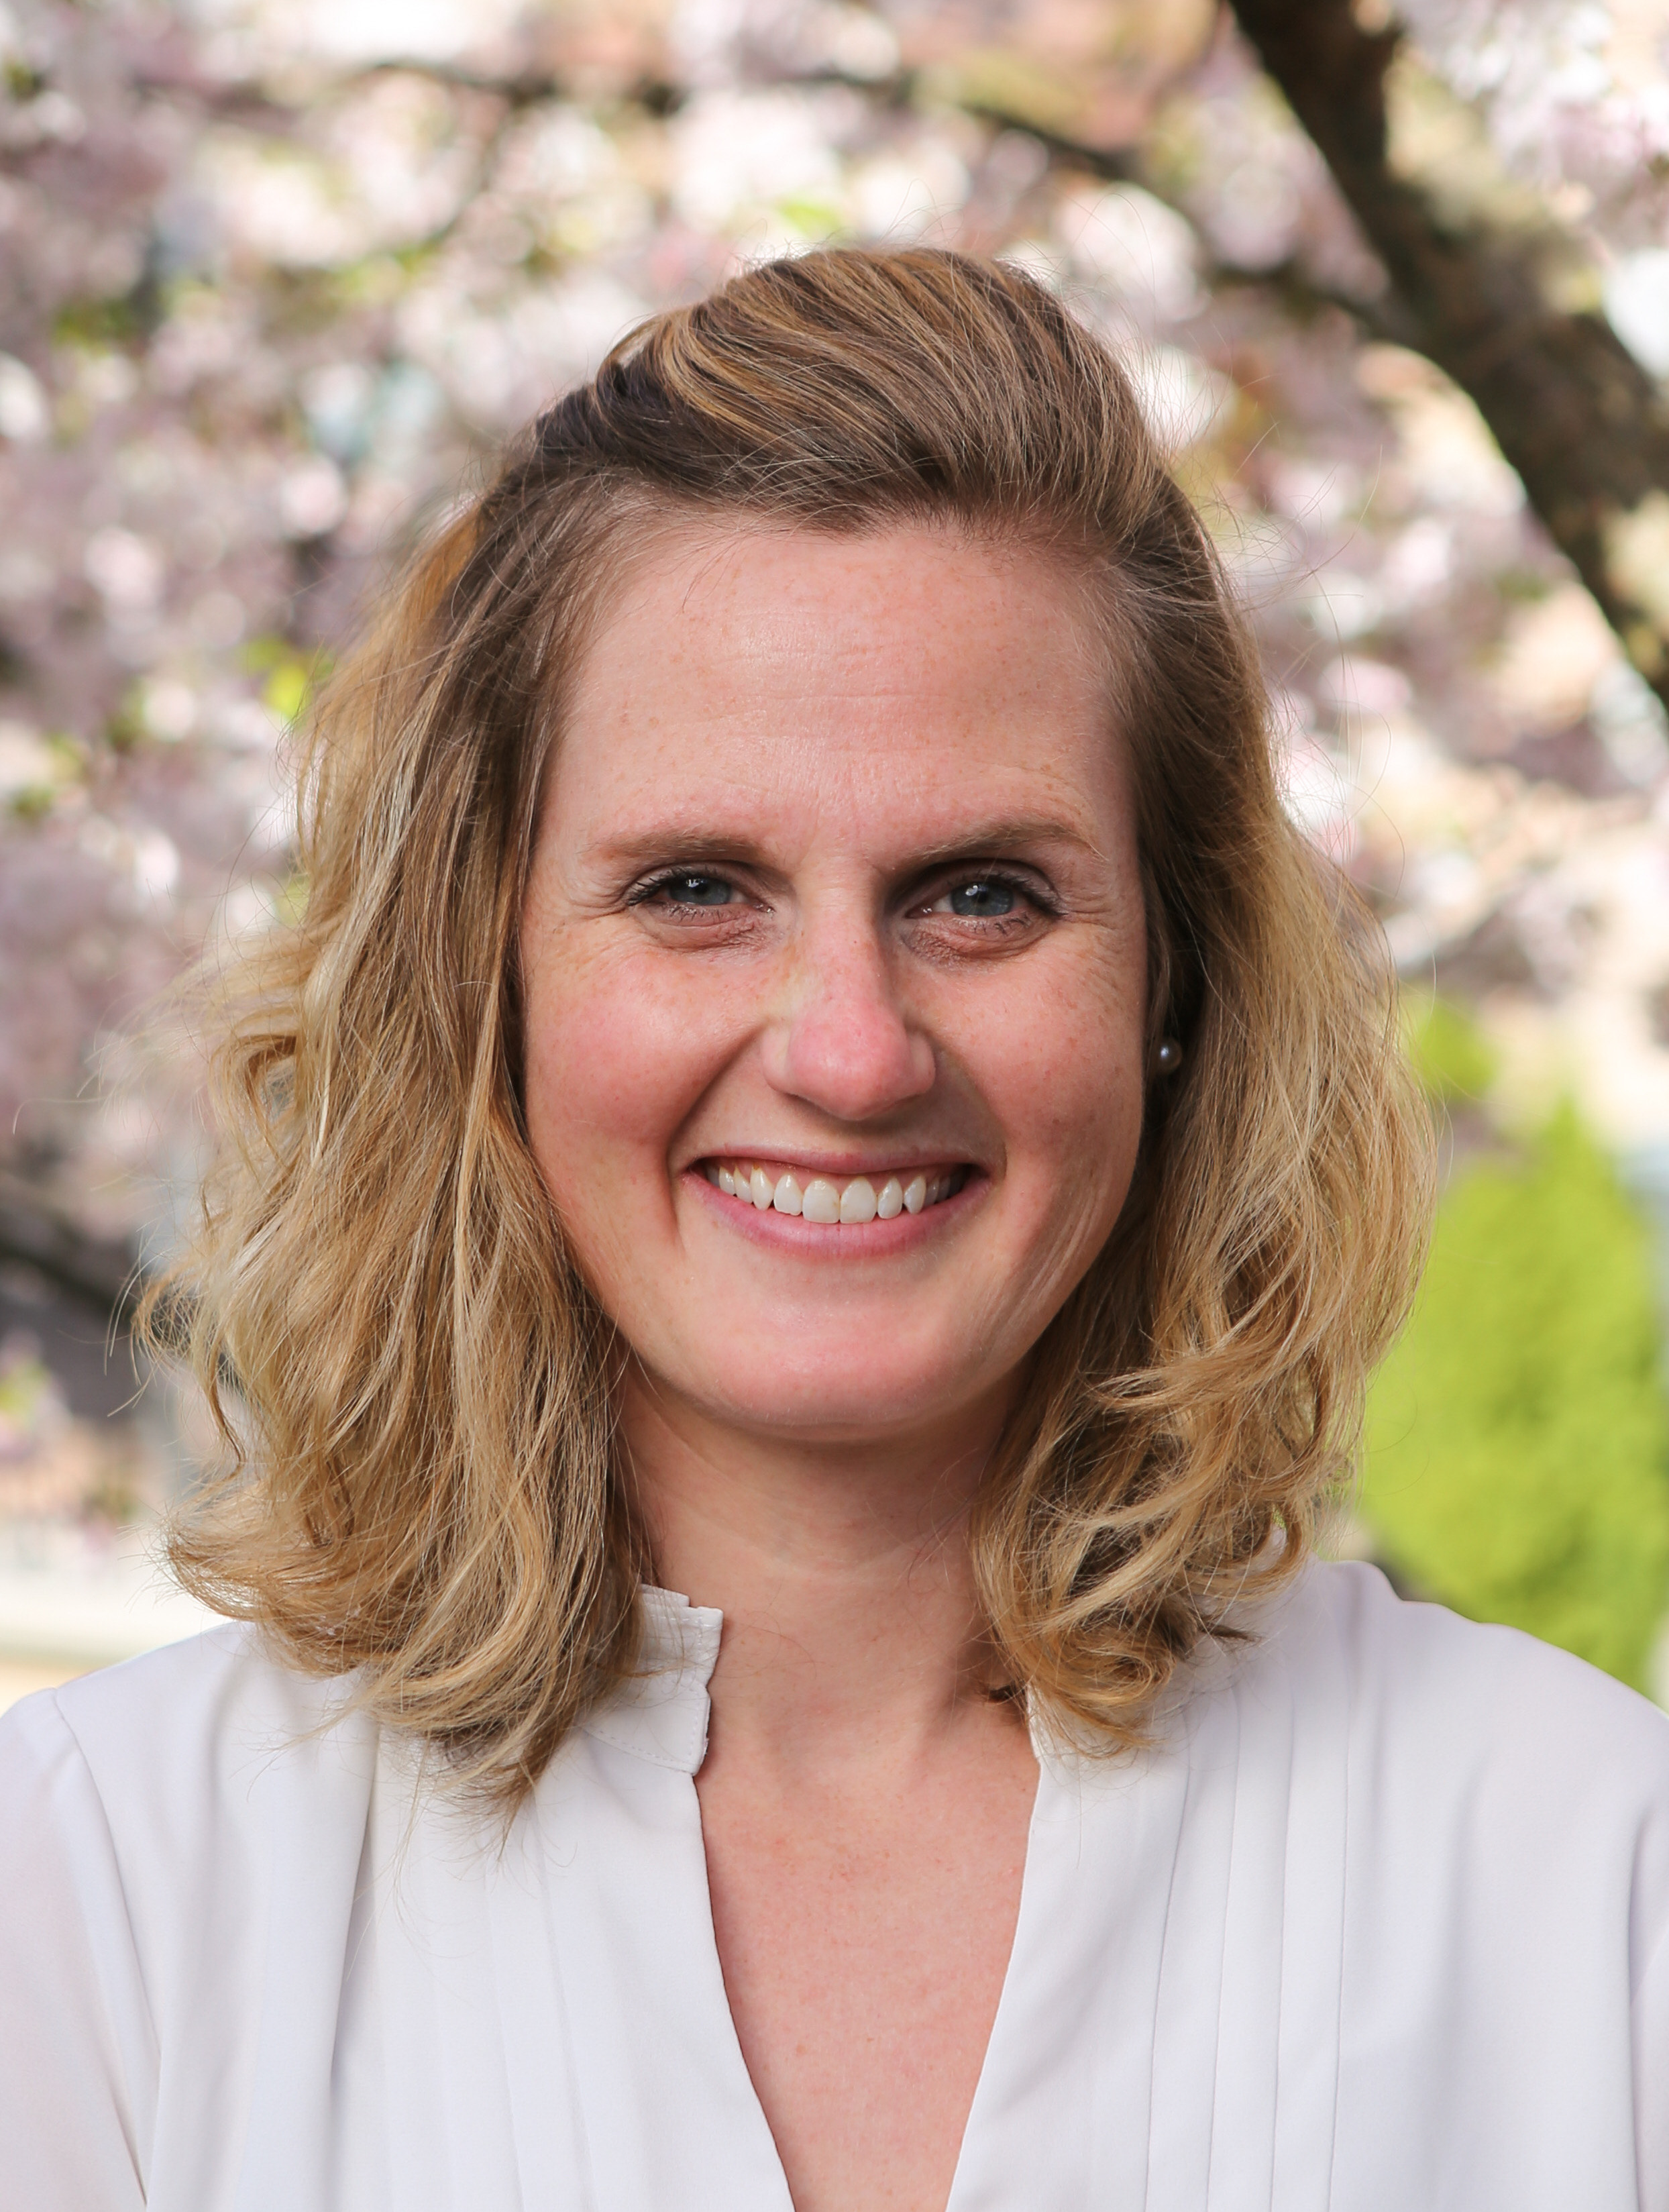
(275,277)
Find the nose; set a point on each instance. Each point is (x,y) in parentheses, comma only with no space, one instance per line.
(844,1044)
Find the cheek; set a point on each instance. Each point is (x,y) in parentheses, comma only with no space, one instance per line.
(1060,1069)
(1061,1065)
(612,1069)
(614,1061)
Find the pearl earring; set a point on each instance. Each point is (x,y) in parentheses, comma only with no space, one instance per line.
(1169,1058)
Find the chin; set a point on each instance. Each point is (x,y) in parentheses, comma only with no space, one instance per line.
(846,1401)
(858,1423)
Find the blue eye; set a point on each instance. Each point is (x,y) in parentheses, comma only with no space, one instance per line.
(692,890)
(982,899)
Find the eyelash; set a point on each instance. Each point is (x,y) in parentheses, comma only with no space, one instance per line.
(1020,885)
(1002,879)
(642,893)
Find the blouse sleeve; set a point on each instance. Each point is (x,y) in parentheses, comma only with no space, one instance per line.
(76,2044)
(1650,2051)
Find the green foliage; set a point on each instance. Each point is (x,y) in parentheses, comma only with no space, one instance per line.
(1518,1437)
(97,325)
(1449,1056)
(292,678)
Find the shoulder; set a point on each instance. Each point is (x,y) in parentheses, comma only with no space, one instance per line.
(209,1698)
(1493,1870)
(181,1757)
(1470,1744)
(1421,1674)
(180,1837)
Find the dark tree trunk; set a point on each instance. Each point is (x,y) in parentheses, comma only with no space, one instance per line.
(1584,425)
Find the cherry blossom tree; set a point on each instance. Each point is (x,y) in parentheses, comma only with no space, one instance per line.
(276,276)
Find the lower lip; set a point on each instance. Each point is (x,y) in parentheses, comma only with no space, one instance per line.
(828,1239)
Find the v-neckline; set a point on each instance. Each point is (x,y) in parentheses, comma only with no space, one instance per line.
(682,1649)
(1167,2034)
(733,2035)
(1094,1884)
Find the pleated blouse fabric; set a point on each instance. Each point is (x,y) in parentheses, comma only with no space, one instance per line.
(1382,1924)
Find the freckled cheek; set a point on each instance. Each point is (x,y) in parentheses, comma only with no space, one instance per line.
(1062,1073)
(1079,1148)
(615,1065)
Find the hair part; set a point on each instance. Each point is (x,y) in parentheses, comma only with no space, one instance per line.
(415,1385)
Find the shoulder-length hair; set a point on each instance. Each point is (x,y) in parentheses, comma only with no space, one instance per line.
(413,1382)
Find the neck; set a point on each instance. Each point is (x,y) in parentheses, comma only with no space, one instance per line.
(842,1570)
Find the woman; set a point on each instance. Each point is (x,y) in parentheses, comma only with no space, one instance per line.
(807,1209)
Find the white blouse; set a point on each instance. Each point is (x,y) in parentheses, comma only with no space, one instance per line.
(1382,1925)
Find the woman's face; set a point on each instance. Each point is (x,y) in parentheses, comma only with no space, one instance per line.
(835,965)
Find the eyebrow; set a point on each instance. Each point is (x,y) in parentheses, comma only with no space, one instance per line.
(1008,834)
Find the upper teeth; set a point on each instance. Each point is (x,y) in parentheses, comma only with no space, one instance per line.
(820,1198)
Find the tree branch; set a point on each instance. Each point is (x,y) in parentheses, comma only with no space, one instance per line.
(104,1273)
(1382,316)
(1578,417)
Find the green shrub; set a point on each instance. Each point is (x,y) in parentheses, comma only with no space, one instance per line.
(1518,1437)
(1449,1056)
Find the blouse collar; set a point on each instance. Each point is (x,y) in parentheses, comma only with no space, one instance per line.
(660,1712)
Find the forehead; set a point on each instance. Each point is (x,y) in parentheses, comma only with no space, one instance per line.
(897,666)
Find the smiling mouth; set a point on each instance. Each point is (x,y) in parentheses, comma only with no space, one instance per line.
(849,1202)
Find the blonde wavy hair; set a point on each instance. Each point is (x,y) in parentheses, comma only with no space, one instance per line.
(413,1381)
